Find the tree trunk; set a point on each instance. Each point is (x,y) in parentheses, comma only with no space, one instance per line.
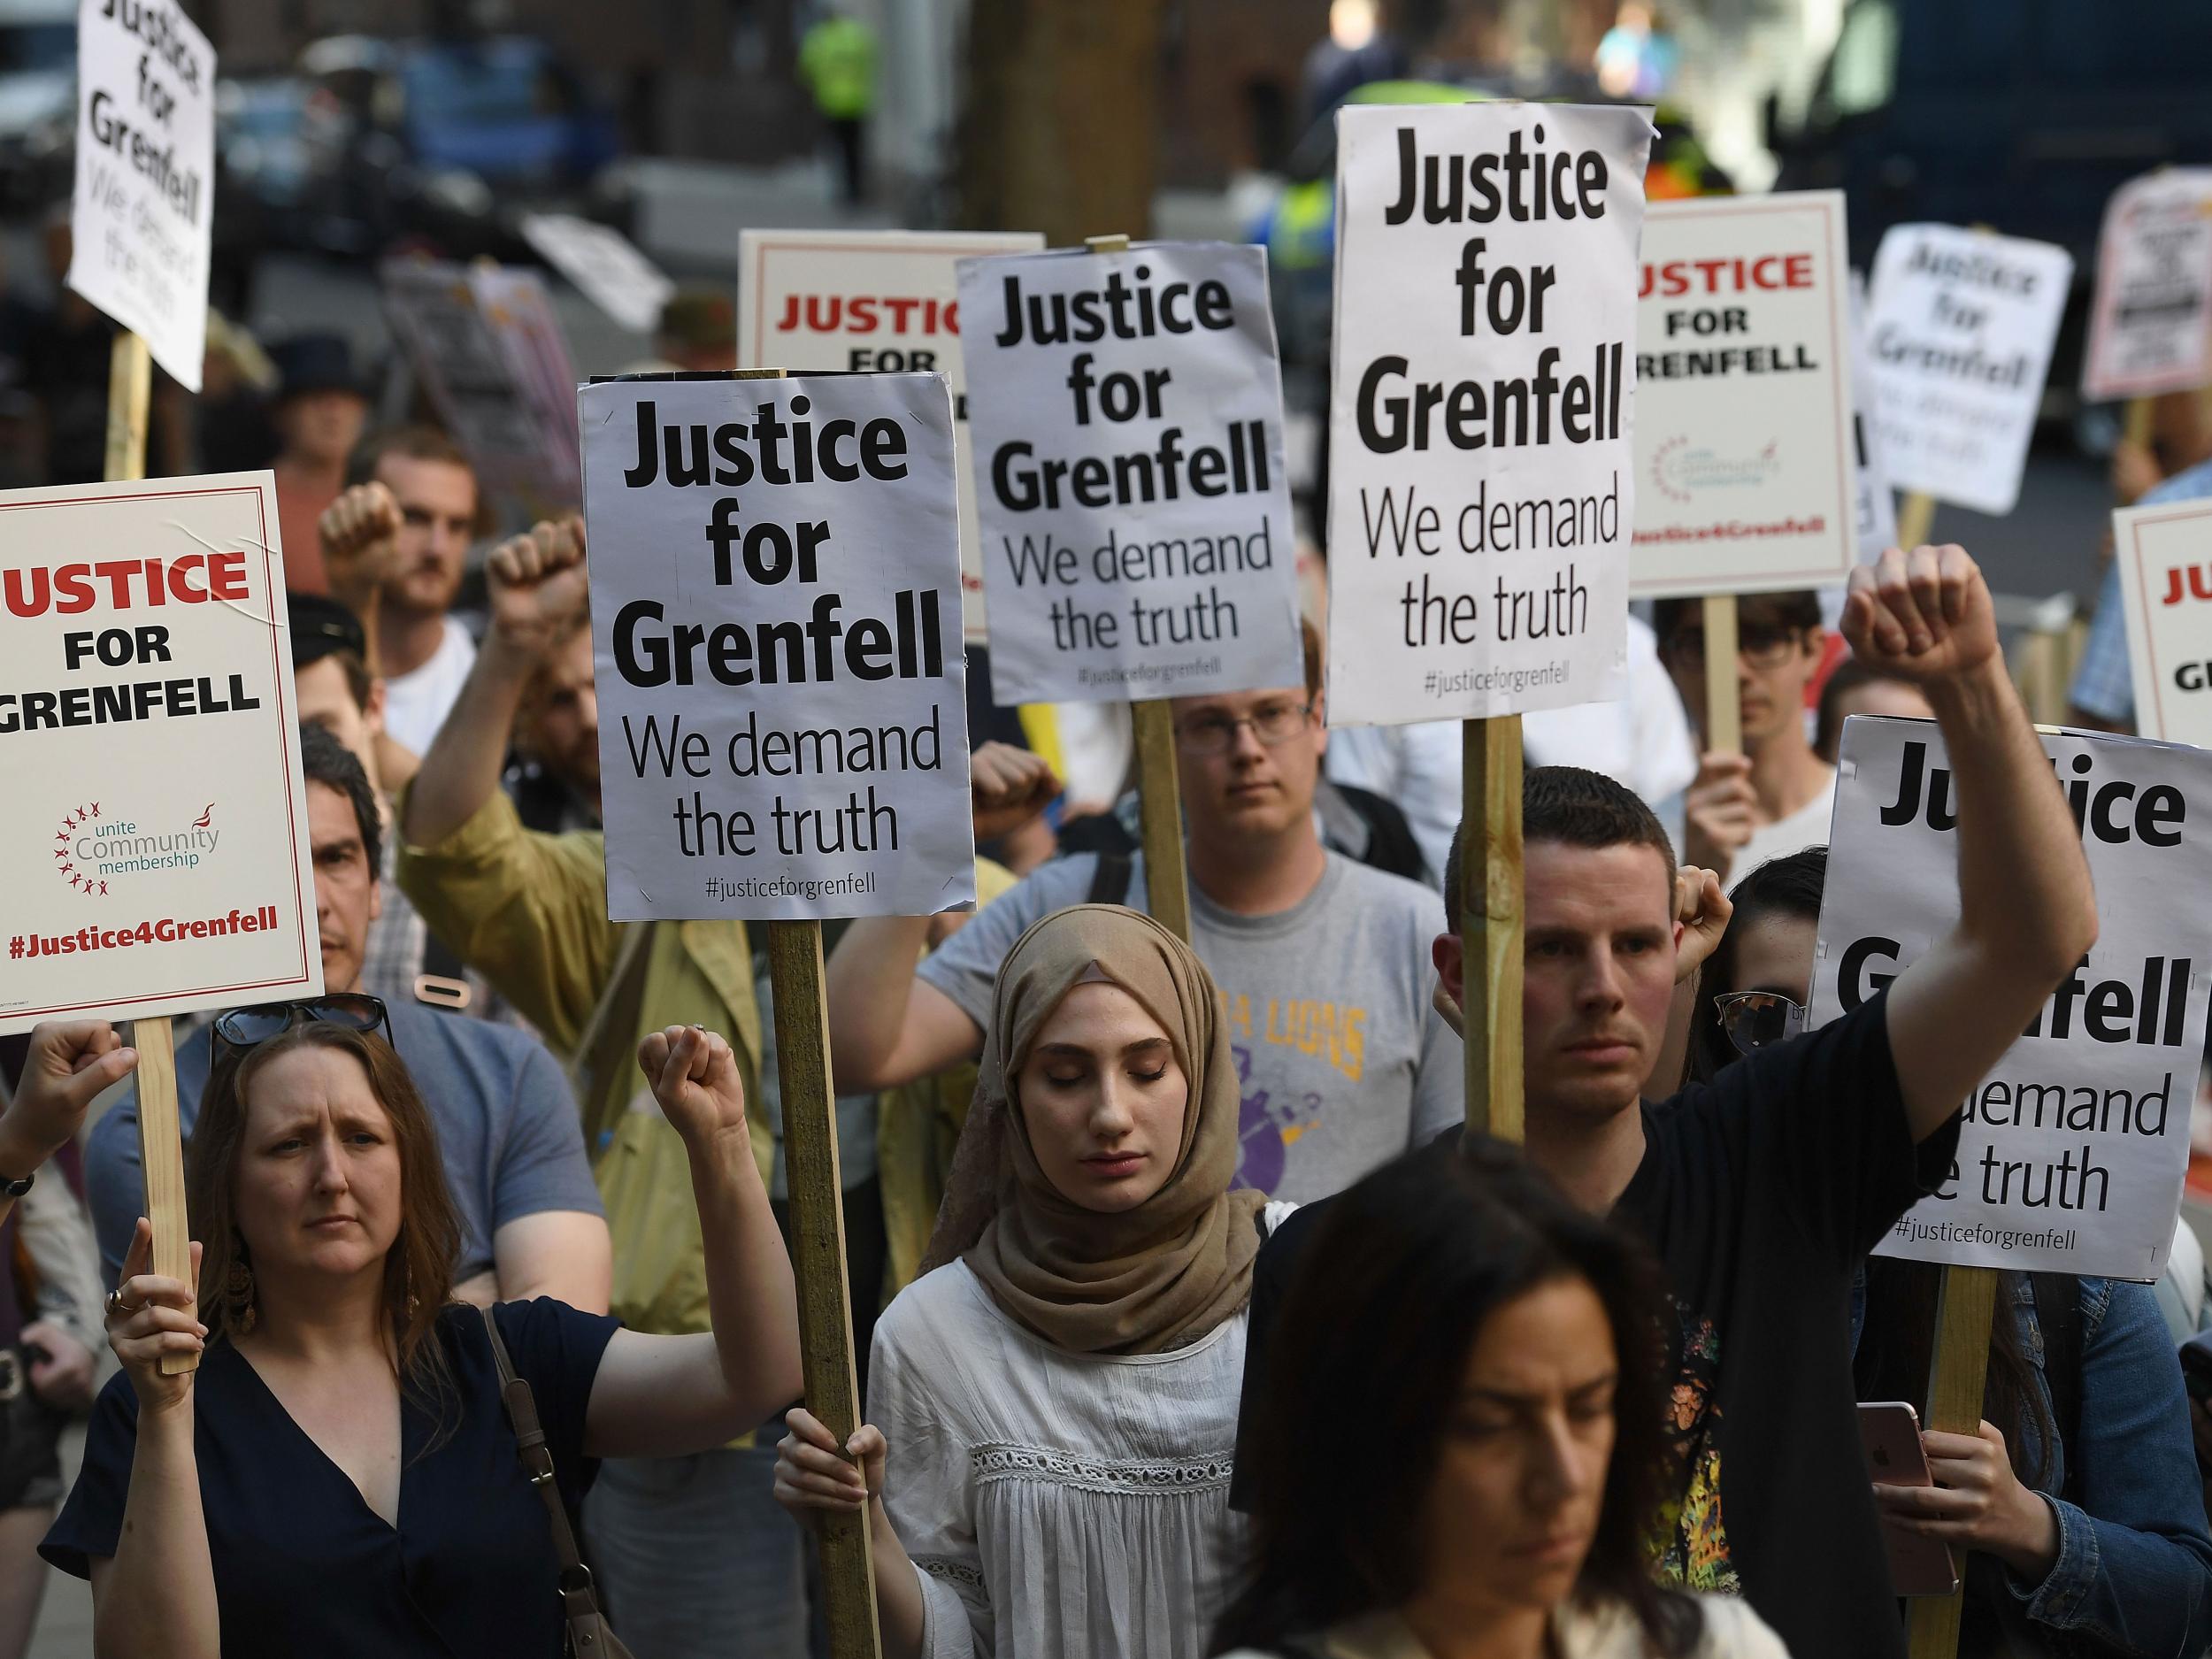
(1058,130)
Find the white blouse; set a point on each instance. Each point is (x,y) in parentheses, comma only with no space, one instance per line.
(1056,1503)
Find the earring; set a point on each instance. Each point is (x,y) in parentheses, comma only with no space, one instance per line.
(238,1291)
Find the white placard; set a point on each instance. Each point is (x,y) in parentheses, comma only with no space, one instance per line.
(775,601)
(2072,1153)
(144,210)
(1134,506)
(605,264)
(1745,472)
(1482,483)
(1959,334)
(157,827)
(2165,555)
(2150,325)
(1874,508)
(872,301)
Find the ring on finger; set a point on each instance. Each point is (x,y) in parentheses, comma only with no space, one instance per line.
(117,1305)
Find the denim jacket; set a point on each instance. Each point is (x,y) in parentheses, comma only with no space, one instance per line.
(2134,1569)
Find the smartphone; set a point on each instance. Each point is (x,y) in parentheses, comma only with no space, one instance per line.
(1889,1431)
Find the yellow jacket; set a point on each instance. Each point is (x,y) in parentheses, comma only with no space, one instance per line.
(529,911)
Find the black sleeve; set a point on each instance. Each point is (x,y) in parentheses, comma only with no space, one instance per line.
(557,1349)
(91,1521)
(1271,1274)
(1816,1132)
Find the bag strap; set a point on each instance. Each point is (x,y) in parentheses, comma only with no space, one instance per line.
(1109,882)
(579,1601)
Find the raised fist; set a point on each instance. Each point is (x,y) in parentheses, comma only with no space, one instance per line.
(359,533)
(538,585)
(1921,616)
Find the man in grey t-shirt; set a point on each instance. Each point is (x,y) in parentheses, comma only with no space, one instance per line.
(1323,963)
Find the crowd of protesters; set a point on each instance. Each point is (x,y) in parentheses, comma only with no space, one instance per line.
(1190,1319)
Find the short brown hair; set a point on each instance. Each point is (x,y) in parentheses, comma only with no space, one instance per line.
(416,443)
(1309,643)
(417,1270)
(1575,808)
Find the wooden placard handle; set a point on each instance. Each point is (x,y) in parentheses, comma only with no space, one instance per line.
(1966,1308)
(1489,906)
(161,1156)
(1915,516)
(817,1251)
(1723,704)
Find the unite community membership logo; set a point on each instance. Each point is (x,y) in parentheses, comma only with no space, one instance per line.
(92,848)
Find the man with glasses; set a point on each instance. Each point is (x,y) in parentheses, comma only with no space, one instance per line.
(1763,1190)
(1777,796)
(1322,961)
(532,1224)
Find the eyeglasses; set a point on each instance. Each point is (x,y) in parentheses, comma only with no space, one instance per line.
(1272,723)
(1762,645)
(1754,1019)
(355,1011)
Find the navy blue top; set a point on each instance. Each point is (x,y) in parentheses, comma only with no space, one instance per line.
(303,1565)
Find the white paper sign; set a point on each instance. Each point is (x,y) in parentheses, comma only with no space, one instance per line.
(1874,509)
(1959,340)
(2072,1157)
(1134,506)
(144,205)
(872,301)
(775,604)
(605,264)
(1482,485)
(1745,469)
(2165,555)
(156,832)
(2150,325)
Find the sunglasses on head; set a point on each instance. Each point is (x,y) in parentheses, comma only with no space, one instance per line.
(1754,1019)
(355,1011)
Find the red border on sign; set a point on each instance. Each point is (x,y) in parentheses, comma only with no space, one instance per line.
(2192,509)
(286,724)
(763,249)
(1831,214)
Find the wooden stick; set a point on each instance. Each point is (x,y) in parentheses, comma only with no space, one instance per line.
(1965,1308)
(1490,922)
(817,1250)
(1915,516)
(160,1138)
(1723,691)
(2139,421)
(1159,791)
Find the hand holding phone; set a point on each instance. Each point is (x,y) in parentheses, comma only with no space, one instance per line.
(1889,1431)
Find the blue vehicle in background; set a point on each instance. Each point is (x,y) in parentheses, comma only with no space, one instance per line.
(444,144)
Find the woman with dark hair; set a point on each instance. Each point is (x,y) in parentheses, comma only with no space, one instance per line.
(341,1476)
(2076,1498)
(1502,1352)
(1053,1403)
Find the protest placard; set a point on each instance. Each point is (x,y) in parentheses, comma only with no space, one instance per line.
(2150,323)
(1482,469)
(144,210)
(775,605)
(872,301)
(605,264)
(2074,1145)
(1134,512)
(157,825)
(1874,509)
(487,346)
(1959,328)
(1744,454)
(2165,555)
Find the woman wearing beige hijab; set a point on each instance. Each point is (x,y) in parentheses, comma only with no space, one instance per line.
(1052,1407)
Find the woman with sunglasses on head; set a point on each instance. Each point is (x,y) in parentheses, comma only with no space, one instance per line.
(1501,1352)
(341,1475)
(2077,1497)
(1053,1407)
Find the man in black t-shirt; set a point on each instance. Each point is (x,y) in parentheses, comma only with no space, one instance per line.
(1761,1191)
